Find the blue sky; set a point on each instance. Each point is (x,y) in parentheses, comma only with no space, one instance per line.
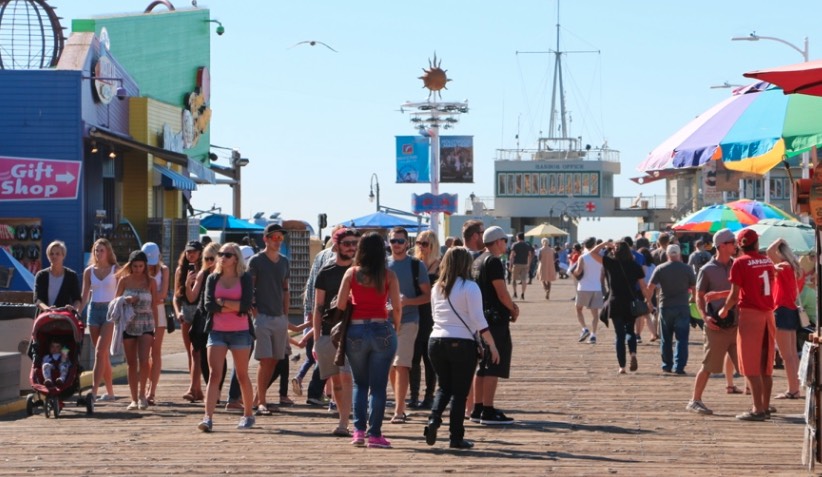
(316,124)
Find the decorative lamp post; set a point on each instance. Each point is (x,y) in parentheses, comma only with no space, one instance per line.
(375,180)
(431,115)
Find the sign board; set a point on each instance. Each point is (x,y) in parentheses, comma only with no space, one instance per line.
(38,179)
(456,159)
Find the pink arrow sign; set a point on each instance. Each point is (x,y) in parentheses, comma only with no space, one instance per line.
(38,179)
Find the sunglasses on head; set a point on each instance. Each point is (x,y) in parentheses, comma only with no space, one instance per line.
(349,243)
(423,244)
(397,241)
(208,259)
(225,254)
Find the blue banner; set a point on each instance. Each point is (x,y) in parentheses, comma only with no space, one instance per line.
(412,160)
(456,159)
(430,203)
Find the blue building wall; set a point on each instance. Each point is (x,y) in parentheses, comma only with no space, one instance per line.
(40,117)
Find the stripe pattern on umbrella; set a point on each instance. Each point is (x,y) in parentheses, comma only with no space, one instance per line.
(714,218)
(760,210)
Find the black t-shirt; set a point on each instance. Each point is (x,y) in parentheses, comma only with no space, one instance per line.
(485,270)
(329,280)
(623,287)
(521,252)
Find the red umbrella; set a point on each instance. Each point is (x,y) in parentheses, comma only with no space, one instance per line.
(803,78)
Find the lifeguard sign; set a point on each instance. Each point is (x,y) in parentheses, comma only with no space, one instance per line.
(38,179)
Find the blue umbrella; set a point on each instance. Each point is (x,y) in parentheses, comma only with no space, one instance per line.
(381,220)
(21,279)
(229,223)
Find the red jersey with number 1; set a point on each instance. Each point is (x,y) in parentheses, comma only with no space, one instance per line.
(754,274)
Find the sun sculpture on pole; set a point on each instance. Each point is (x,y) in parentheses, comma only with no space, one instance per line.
(435,78)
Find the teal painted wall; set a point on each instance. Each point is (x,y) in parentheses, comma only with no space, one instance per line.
(162,52)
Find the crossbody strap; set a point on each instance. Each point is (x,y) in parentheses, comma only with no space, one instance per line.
(630,287)
(458,316)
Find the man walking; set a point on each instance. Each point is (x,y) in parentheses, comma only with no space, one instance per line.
(674,279)
(752,279)
(712,287)
(325,290)
(270,271)
(589,291)
(700,256)
(521,256)
(415,290)
(500,310)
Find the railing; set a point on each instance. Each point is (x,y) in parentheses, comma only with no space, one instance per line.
(620,203)
(594,154)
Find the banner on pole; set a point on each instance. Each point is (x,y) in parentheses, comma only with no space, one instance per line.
(412,160)
(429,203)
(456,158)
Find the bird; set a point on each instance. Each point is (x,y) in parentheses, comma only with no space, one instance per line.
(314,43)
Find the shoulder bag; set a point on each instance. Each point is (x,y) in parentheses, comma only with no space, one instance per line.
(638,306)
(481,346)
(578,269)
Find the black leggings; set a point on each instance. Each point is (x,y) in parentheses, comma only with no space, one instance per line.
(454,361)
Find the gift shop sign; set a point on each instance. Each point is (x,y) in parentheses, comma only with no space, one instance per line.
(38,179)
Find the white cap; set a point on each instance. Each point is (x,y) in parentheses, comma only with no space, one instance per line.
(152,252)
(247,251)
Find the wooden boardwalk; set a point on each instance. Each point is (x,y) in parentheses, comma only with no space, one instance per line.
(575,416)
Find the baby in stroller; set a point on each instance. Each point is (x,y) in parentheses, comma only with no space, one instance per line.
(56,361)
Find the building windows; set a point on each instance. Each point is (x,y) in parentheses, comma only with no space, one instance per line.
(549,184)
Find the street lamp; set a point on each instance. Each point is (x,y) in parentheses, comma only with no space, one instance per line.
(237,162)
(375,180)
(805,56)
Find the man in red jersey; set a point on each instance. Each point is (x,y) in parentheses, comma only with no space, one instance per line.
(752,279)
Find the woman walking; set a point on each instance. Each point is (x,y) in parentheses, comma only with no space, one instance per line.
(57,286)
(786,313)
(188,266)
(197,334)
(158,271)
(427,250)
(139,291)
(457,305)
(99,288)
(547,269)
(627,282)
(229,292)
(371,341)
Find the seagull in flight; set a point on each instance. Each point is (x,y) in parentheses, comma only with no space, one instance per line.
(314,43)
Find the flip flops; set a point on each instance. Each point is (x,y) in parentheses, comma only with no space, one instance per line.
(732,390)
(788,395)
(262,410)
(399,419)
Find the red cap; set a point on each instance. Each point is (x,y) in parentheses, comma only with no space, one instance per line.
(746,237)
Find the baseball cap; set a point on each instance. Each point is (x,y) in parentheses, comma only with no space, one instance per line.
(152,252)
(194,245)
(723,236)
(247,251)
(747,237)
(673,249)
(345,232)
(271,228)
(492,234)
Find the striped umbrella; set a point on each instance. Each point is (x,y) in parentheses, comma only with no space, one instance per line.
(713,218)
(760,210)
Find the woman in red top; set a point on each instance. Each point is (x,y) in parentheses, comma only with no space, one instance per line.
(786,291)
(371,341)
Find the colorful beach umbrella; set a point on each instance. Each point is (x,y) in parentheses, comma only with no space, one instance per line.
(799,236)
(751,132)
(760,210)
(802,78)
(713,218)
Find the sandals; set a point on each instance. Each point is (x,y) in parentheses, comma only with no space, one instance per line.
(262,410)
(150,400)
(732,390)
(788,395)
(399,419)
(190,397)
(341,432)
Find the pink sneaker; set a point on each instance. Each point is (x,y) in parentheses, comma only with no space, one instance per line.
(359,438)
(379,442)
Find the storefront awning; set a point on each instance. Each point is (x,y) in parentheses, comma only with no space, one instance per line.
(174,180)
(122,140)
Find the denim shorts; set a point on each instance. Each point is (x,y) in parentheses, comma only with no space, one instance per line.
(230,339)
(97,311)
(787,319)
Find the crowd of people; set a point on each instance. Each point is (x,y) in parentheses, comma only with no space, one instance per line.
(432,322)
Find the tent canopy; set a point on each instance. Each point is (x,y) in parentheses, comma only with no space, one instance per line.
(381,220)
(546,230)
(21,279)
(229,223)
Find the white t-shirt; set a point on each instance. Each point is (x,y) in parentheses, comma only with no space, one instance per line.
(467,300)
(591,276)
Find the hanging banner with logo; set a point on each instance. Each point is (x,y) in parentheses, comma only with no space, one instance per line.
(412,160)
(456,158)
(430,203)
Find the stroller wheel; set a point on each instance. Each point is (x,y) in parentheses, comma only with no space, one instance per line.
(30,405)
(89,403)
(54,404)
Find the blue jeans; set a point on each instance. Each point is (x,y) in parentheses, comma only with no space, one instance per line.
(674,322)
(370,350)
(309,360)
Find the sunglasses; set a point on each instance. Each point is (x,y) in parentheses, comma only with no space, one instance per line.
(225,255)
(423,244)
(275,238)
(395,241)
(208,259)
(349,243)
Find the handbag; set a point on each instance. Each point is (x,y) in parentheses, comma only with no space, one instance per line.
(481,346)
(638,306)
(728,322)
(578,269)
(339,332)
(171,319)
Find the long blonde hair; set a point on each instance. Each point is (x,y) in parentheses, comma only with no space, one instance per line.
(455,264)
(788,255)
(112,257)
(235,249)
(433,246)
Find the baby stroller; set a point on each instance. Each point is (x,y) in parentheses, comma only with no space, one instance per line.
(63,326)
